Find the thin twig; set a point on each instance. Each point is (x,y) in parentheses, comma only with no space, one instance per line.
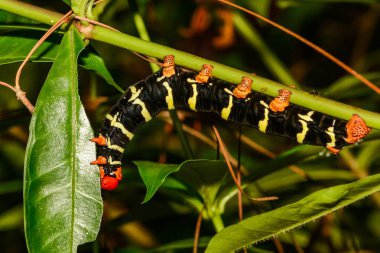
(8,86)
(197,231)
(20,94)
(40,41)
(310,44)
(225,154)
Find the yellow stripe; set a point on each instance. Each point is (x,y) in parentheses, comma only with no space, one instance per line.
(169,97)
(160,78)
(301,136)
(227,110)
(113,162)
(135,93)
(304,118)
(330,132)
(193,100)
(144,112)
(114,146)
(307,117)
(117,124)
(263,124)
(190,81)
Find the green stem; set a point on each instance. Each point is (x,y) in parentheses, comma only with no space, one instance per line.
(217,222)
(229,74)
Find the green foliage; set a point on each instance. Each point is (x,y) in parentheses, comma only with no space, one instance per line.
(61,190)
(61,193)
(269,224)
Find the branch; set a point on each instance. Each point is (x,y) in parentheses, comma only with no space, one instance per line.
(186,60)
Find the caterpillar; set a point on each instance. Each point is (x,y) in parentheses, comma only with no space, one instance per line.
(171,88)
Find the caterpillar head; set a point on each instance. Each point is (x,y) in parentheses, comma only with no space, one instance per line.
(356,129)
(110,180)
(109,183)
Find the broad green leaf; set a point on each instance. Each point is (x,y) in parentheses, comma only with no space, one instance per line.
(314,206)
(62,202)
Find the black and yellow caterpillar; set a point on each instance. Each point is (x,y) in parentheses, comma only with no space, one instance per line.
(170,88)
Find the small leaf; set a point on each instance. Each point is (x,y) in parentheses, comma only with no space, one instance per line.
(314,206)
(203,176)
(153,175)
(62,201)
(89,59)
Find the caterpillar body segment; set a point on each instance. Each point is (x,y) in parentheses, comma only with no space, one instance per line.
(170,88)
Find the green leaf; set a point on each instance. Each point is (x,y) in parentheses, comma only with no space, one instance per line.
(314,206)
(68,2)
(153,175)
(62,202)
(89,59)
(203,176)
(15,46)
(80,6)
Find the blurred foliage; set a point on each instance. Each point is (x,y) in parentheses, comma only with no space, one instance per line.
(166,223)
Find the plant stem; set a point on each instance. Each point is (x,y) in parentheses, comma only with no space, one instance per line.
(217,221)
(229,74)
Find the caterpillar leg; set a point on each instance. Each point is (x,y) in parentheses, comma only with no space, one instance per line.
(101,141)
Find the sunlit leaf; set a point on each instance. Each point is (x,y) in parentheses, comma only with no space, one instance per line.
(314,206)
(62,199)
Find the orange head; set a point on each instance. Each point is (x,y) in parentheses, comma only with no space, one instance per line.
(109,183)
(356,129)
